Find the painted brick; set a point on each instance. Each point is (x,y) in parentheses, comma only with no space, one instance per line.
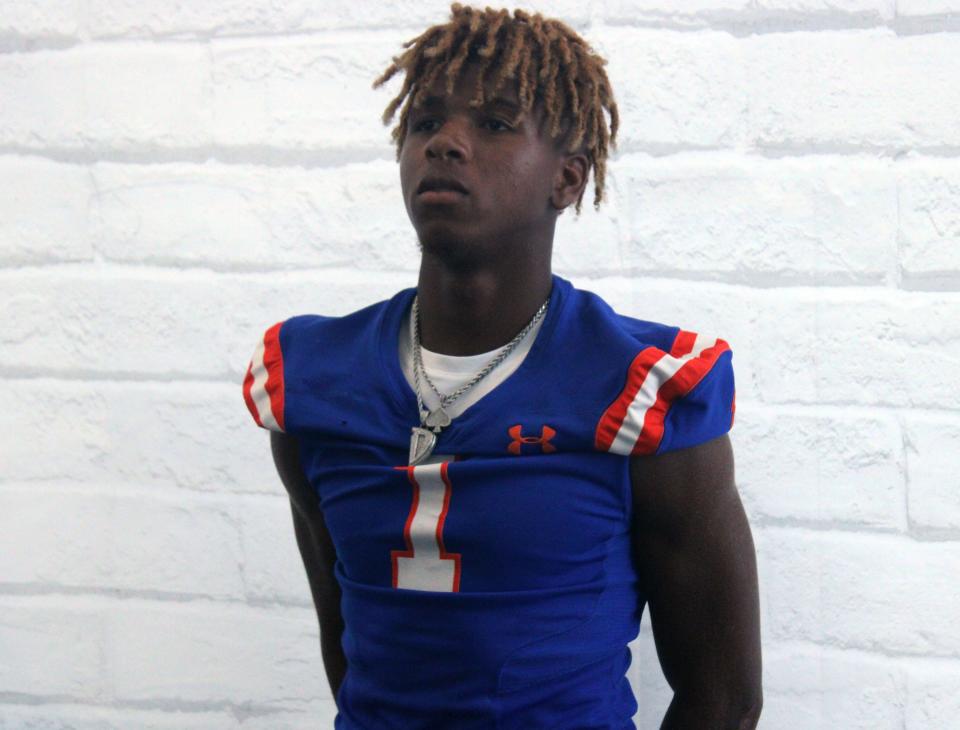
(34,187)
(176,324)
(81,433)
(248,17)
(743,14)
(821,465)
(867,9)
(72,717)
(933,694)
(876,90)
(305,94)
(927,7)
(54,537)
(272,567)
(245,217)
(42,98)
(120,539)
(313,714)
(119,96)
(675,89)
(772,90)
(130,19)
(650,687)
(856,590)
(810,686)
(929,236)
(202,652)
(857,347)
(591,243)
(934,487)
(27,21)
(692,13)
(755,7)
(147,95)
(42,638)
(804,219)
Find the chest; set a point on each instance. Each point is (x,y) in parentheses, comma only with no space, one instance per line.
(508,523)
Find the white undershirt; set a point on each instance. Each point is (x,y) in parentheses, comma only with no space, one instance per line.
(449,372)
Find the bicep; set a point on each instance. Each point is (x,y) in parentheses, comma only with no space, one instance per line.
(313,538)
(286,458)
(319,560)
(316,550)
(697,563)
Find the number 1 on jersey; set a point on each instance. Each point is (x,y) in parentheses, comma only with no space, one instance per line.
(426,565)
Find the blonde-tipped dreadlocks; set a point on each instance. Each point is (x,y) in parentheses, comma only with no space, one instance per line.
(546,60)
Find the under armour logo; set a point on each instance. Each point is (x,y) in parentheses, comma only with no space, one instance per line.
(516,433)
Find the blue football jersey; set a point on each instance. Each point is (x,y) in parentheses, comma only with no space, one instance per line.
(494,586)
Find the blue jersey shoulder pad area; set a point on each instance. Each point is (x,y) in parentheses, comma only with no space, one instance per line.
(300,376)
(706,411)
(328,367)
(676,392)
(598,381)
(263,384)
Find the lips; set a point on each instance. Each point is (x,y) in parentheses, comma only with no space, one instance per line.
(438,184)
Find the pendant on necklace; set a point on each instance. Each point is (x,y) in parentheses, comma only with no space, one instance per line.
(437,419)
(422,442)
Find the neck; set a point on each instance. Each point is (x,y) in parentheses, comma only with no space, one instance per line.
(469,311)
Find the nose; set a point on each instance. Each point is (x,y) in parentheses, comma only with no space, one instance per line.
(450,142)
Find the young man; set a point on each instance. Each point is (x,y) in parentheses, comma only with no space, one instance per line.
(492,473)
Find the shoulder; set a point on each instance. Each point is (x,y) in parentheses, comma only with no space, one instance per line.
(286,458)
(671,387)
(672,487)
(294,355)
(275,355)
(596,318)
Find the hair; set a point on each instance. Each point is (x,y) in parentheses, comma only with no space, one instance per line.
(544,58)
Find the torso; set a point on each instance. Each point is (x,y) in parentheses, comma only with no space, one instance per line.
(502,572)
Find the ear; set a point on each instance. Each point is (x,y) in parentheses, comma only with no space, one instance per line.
(569,181)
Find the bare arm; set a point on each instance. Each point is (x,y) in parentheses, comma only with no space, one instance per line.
(317,551)
(697,561)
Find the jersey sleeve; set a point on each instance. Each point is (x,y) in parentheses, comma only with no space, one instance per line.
(671,399)
(263,384)
(704,406)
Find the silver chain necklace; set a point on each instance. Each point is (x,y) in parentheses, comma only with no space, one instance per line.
(422,439)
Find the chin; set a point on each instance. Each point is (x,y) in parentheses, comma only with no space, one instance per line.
(450,246)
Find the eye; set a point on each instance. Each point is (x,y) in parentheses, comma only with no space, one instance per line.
(496,125)
(423,125)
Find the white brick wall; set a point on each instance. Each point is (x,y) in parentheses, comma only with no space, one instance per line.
(177,176)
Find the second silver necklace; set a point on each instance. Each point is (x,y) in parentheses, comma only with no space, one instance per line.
(423,438)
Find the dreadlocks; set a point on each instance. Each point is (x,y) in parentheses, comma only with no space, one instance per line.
(544,58)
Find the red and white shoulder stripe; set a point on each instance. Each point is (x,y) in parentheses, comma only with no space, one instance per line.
(263,383)
(633,424)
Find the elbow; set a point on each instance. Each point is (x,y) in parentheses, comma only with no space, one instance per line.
(744,702)
(729,713)
(748,714)
(739,711)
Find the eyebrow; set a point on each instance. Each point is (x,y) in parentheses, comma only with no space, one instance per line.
(499,101)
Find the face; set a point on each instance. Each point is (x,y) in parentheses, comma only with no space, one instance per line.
(472,182)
